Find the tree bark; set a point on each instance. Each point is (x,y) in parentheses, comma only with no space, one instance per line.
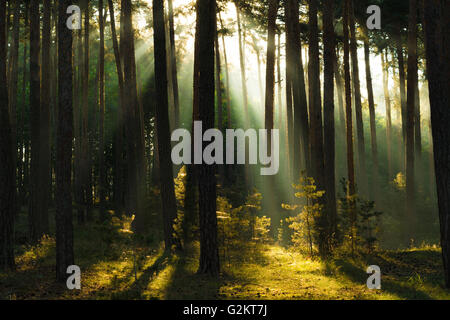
(7,169)
(437,20)
(301,134)
(242,64)
(35,221)
(372,115)
(101,101)
(387,100)
(330,219)
(44,141)
(119,178)
(363,185)
(315,104)
(410,115)
(63,216)
(209,254)
(348,114)
(162,121)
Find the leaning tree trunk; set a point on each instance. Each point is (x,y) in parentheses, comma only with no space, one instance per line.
(209,254)
(7,168)
(437,20)
(64,136)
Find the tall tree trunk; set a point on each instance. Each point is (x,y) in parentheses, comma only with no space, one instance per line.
(35,225)
(410,112)
(133,123)
(7,169)
(173,64)
(387,100)
(402,76)
(417,124)
(242,63)
(101,101)
(363,185)
(119,179)
(63,216)
(13,66)
(86,189)
(270,68)
(44,141)
(219,97)
(162,121)
(348,114)
(301,134)
(437,20)
(227,75)
(315,105)
(330,220)
(209,254)
(340,89)
(23,165)
(372,115)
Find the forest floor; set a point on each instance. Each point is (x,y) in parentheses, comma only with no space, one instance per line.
(115,264)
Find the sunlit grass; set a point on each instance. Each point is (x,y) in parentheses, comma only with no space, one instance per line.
(116,264)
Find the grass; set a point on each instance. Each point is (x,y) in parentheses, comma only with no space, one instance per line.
(116,264)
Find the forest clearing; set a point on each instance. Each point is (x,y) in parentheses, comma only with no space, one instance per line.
(130,267)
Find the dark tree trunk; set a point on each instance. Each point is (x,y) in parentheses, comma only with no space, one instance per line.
(44,141)
(64,136)
(13,72)
(417,125)
(402,76)
(101,101)
(162,121)
(437,20)
(300,134)
(7,169)
(330,220)
(348,114)
(173,65)
(227,76)
(340,89)
(209,254)
(119,179)
(219,96)
(358,106)
(23,165)
(270,67)
(372,116)
(85,165)
(242,64)
(387,100)
(315,105)
(410,110)
(35,221)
